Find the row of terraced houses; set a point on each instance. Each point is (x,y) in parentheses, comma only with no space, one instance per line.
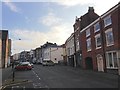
(94,44)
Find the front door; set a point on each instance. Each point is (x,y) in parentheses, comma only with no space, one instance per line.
(100,63)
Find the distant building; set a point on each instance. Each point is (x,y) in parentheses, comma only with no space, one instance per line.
(38,55)
(70,50)
(53,52)
(24,56)
(15,57)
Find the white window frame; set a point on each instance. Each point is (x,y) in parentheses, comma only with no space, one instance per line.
(96,30)
(98,47)
(107,59)
(106,18)
(88,41)
(109,30)
(87,32)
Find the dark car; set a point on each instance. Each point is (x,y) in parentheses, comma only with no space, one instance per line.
(23,66)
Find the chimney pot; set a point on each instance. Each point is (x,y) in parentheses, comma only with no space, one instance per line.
(91,9)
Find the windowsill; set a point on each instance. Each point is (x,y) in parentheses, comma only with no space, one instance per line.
(96,30)
(98,47)
(107,25)
(89,50)
(112,67)
(87,35)
(108,45)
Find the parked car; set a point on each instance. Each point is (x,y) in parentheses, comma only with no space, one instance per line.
(32,65)
(24,66)
(48,63)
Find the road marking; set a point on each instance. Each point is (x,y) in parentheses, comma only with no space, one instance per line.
(37,85)
(15,84)
(39,78)
(17,87)
(37,75)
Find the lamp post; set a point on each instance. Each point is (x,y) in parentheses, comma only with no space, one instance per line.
(13,69)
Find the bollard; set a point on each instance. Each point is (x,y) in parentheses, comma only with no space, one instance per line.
(13,76)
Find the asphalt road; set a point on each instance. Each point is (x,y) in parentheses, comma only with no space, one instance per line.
(64,77)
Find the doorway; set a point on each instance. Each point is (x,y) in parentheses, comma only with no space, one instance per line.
(89,63)
(100,63)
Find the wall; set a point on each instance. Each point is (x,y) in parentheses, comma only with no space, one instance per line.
(56,54)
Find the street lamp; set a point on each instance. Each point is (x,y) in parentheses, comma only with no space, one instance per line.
(13,64)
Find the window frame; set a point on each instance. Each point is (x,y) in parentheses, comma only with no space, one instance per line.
(88,32)
(98,47)
(96,30)
(106,35)
(87,41)
(106,18)
(107,60)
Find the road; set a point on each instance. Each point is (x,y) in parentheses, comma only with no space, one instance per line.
(64,77)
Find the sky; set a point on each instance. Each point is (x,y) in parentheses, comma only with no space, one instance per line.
(31,23)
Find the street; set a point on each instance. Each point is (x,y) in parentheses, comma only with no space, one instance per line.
(63,77)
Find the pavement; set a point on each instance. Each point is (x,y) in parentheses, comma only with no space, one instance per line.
(4,74)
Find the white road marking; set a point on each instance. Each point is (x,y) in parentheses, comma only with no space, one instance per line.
(39,78)
(14,87)
(37,85)
(37,75)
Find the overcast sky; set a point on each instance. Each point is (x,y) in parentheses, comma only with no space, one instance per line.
(37,21)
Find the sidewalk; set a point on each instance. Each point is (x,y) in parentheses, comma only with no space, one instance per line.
(4,74)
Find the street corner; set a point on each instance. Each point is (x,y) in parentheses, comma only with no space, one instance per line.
(10,82)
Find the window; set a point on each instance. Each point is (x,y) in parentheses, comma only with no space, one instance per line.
(89,44)
(87,32)
(112,60)
(98,41)
(96,27)
(109,37)
(107,20)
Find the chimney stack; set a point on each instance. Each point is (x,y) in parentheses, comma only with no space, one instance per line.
(91,9)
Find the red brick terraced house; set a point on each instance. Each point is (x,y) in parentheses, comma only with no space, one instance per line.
(79,24)
(100,42)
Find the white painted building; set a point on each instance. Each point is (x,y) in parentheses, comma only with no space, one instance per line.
(54,54)
(70,45)
(16,56)
(70,50)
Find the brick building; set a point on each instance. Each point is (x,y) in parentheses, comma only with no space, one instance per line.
(81,23)
(5,48)
(100,42)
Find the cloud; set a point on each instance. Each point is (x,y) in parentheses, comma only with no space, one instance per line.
(12,6)
(73,2)
(31,39)
(101,7)
(50,19)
